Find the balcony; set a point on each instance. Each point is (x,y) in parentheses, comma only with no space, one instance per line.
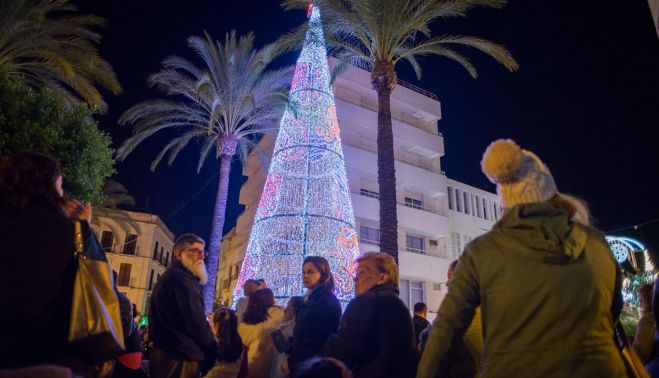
(427,222)
(361,120)
(424,181)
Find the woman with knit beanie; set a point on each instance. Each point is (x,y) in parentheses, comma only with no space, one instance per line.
(546,281)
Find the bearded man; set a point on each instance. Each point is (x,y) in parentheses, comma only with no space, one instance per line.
(184,345)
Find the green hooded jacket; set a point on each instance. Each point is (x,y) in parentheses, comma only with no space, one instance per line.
(547,290)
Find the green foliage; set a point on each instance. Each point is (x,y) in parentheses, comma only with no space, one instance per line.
(40,121)
(631,310)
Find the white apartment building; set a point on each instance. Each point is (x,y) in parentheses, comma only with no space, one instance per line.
(425,219)
(139,248)
(471,212)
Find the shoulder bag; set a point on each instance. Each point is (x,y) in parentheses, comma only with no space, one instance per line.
(95,328)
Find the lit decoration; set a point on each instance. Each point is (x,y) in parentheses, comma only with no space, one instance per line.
(305,207)
(623,249)
(636,273)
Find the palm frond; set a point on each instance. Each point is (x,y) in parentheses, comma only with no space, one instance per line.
(47,41)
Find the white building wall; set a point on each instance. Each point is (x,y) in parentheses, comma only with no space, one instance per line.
(469,219)
(137,283)
(423,216)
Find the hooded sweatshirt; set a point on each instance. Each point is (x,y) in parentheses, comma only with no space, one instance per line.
(548,296)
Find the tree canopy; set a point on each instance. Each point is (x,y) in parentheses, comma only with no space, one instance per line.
(40,121)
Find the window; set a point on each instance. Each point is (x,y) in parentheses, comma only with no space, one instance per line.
(485,208)
(465,197)
(455,245)
(166,262)
(155,251)
(478,207)
(131,244)
(124,274)
(413,203)
(415,244)
(369,193)
(412,292)
(416,292)
(162,254)
(238,267)
(369,235)
(107,241)
(151,280)
(457,200)
(450,198)
(496,213)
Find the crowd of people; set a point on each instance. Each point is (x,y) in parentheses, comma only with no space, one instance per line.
(537,296)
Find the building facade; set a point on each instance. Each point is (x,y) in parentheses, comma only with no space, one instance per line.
(139,248)
(426,219)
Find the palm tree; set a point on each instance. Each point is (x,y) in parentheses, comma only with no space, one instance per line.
(377,35)
(55,52)
(225,105)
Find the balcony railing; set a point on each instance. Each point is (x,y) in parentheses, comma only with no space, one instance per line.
(368,241)
(368,193)
(415,250)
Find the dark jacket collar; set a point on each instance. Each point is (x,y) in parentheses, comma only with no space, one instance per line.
(385,287)
(178,266)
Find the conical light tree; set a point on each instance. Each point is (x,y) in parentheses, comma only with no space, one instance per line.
(305,206)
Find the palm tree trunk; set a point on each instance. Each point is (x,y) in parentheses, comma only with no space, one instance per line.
(213,259)
(383,79)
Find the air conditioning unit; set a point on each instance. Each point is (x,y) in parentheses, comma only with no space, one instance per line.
(437,286)
(433,242)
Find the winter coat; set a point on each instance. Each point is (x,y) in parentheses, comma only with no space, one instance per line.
(547,291)
(257,339)
(376,336)
(177,321)
(37,271)
(420,323)
(315,321)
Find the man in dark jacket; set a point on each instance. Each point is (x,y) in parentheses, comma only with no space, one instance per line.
(419,319)
(184,345)
(376,336)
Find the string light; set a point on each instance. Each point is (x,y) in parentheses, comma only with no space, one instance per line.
(305,206)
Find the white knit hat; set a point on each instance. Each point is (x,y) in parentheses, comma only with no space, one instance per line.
(520,176)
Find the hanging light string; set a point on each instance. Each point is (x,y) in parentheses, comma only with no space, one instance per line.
(634,226)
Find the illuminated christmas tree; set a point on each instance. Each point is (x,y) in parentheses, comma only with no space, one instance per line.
(305,206)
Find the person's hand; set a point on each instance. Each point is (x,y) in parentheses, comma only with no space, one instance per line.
(74,209)
(284,368)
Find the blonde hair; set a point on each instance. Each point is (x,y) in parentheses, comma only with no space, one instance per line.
(577,208)
(384,263)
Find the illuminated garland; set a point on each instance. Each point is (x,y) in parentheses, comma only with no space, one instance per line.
(305,206)
(623,249)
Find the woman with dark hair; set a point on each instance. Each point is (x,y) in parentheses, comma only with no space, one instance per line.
(37,267)
(318,317)
(230,353)
(260,319)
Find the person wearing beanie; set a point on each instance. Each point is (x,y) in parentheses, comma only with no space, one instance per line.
(547,283)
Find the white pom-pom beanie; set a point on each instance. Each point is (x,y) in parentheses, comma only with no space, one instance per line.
(520,176)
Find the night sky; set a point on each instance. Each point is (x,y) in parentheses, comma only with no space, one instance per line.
(585,99)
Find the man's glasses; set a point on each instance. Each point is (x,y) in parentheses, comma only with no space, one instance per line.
(195,251)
